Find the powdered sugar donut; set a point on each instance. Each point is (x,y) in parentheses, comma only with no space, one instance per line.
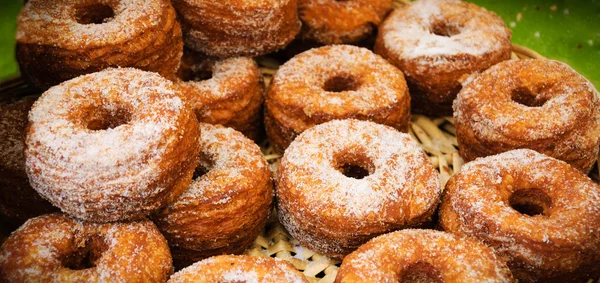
(436,42)
(242,268)
(228,203)
(112,145)
(540,213)
(56,248)
(58,40)
(428,255)
(334,82)
(344,182)
(232,28)
(542,105)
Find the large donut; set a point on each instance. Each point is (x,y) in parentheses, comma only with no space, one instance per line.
(224,209)
(436,42)
(540,213)
(229,92)
(232,28)
(414,255)
(542,105)
(334,82)
(58,40)
(18,200)
(112,145)
(326,204)
(56,248)
(335,22)
(241,268)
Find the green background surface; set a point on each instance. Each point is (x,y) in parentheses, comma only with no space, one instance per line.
(568,31)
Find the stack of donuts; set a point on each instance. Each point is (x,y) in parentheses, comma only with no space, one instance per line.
(139,162)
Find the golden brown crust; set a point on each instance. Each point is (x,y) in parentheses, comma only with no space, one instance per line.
(144,34)
(334,82)
(226,208)
(436,42)
(229,92)
(229,268)
(238,27)
(112,145)
(337,22)
(434,255)
(540,213)
(56,248)
(542,105)
(18,201)
(328,210)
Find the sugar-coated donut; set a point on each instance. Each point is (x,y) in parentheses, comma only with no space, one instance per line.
(229,92)
(226,208)
(56,248)
(241,268)
(335,22)
(18,201)
(334,82)
(540,213)
(542,105)
(112,145)
(437,42)
(344,182)
(58,40)
(232,28)
(414,255)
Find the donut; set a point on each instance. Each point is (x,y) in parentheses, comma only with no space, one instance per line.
(540,213)
(233,28)
(334,82)
(113,145)
(18,201)
(417,255)
(58,40)
(542,105)
(336,22)
(240,268)
(56,248)
(229,92)
(437,42)
(228,203)
(344,182)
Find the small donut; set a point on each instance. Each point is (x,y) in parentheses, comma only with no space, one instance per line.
(113,145)
(228,203)
(229,92)
(437,42)
(335,22)
(542,105)
(58,40)
(334,82)
(344,182)
(232,28)
(18,200)
(415,255)
(240,268)
(56,248)
(540,213)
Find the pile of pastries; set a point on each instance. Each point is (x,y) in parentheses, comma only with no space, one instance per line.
(139,161)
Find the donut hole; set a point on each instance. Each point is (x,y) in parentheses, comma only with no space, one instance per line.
(94,14)
(104,119)
(341,83)
(199,75)
(530,202)
(445,29)
(86,254)
(205,164)
(356,166)
(525,97)
(421,272)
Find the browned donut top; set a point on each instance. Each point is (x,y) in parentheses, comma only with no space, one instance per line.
(526,100)
(72,24)
(13,119)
